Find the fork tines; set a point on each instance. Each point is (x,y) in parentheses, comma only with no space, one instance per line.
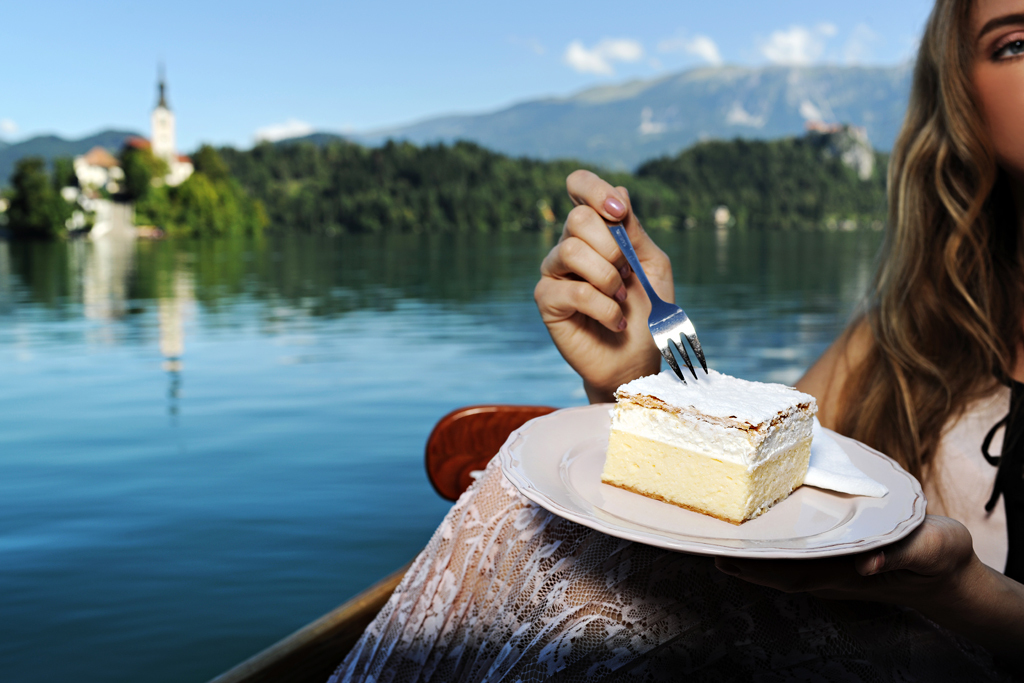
(666,341)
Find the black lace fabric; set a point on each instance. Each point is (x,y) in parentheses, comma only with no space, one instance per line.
(506,591)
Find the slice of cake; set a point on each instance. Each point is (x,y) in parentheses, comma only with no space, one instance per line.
(721,445)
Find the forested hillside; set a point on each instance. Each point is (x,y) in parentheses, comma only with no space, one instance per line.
(342,187)
(777,185)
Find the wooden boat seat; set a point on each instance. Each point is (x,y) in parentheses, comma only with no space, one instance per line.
(464,441)
(461,442)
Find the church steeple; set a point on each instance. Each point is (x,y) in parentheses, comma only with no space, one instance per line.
(162,140)
(163,89)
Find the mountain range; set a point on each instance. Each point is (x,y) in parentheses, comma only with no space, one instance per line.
(620,126)
(51,146)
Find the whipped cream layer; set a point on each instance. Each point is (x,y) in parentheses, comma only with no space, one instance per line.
(721,399)
(727,418)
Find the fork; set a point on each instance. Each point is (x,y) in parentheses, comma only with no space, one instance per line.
(668,322)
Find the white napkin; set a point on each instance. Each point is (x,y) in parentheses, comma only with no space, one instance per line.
(831,468)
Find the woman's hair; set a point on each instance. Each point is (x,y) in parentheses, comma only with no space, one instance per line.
(945,310)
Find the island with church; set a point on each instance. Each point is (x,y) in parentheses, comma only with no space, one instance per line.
(146,189)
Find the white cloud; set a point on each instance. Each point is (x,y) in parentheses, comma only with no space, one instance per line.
(8,127)
(599,59)
(858,48)
(706,49)
(292,128)
(698,46)
(797,45)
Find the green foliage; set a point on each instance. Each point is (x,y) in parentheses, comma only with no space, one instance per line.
(140,168)
(782,184)
(37,210)
(64,173)
(342,187)
(202,206)
(793,183)
(208,162)
(210,202)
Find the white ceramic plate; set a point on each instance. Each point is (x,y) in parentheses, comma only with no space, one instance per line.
(556,461)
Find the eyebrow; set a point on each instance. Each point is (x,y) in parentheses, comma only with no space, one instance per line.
(1000,22)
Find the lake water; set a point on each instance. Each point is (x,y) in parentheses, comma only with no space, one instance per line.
(206,445)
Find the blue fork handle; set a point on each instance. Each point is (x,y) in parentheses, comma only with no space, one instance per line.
(619,233)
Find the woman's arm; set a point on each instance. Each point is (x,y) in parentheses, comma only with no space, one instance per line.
(595,311)
(827,377)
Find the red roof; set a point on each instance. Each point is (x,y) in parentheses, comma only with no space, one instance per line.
(135,142)
(97,156)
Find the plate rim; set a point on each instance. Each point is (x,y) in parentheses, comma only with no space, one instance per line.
(526,488)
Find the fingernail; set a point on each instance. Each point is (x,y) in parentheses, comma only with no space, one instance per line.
(624,271)
(620,295)
(874,564)
(622,325)
(614,207)
(727,568)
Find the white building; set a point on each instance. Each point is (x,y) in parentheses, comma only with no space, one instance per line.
(163,142)
(97,168)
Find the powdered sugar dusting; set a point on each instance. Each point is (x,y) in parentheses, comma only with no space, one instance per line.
(720,396)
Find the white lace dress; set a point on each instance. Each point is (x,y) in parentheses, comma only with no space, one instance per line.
(505,591)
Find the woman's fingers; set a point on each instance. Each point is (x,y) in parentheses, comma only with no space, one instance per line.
(612,204)
(575,258)
(584,223)
(560,300)
(588,189)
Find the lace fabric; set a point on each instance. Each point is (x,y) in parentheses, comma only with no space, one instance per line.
(505,591)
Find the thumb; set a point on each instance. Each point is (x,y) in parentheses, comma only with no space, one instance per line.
(869,564)
(890,558)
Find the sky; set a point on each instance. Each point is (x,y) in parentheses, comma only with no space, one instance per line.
(242,71)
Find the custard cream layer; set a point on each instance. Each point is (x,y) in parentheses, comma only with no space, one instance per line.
(746,447)
(680,476)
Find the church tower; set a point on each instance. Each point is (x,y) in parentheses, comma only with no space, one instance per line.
(162,124)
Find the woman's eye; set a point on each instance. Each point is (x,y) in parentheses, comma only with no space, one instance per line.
(1012,49)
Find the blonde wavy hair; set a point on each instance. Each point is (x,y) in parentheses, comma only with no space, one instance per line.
(945,309)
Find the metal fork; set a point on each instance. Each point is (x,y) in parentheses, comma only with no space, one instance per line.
(668,322)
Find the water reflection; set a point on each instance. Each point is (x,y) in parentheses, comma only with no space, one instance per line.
(722,249)
(106,267)
(173,310)
(5,278)
(294,277)
(788,293)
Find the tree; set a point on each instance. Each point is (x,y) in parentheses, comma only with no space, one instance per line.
(37,211)
(208,162)
(64,173)
(140,168)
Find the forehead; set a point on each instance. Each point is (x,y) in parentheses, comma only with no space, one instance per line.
(984,11)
